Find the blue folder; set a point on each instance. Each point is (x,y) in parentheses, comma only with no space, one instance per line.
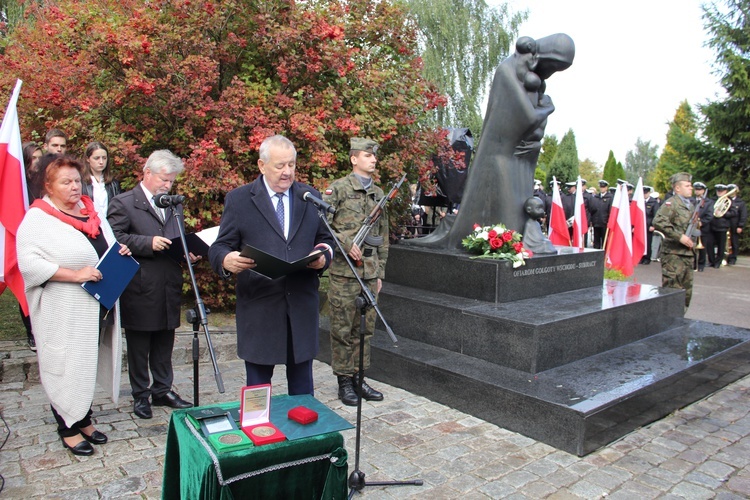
(117,271)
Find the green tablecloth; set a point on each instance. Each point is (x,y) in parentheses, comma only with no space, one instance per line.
(310,468)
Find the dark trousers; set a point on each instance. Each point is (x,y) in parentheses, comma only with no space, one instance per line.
(26,323)
(150,350)
(65,431)
(719,240)
(735,238)
(299,376)
(599,233)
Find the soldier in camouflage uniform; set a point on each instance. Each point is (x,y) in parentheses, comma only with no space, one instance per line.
(354,197)
(672,220)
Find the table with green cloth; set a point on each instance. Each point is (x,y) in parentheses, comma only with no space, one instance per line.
(309,467)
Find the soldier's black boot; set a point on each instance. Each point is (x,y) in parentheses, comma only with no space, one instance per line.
(347,395)
(368,392)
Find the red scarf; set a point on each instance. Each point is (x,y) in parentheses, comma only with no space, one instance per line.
(90,227)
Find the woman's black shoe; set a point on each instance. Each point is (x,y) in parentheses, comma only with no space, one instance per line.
(96,437)
(83,449)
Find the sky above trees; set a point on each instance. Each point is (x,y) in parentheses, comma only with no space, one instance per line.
(635,63)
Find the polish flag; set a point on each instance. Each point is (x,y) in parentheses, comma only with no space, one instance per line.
(558,227)
(620,245)
(638,219)
(580,222)
(14,199)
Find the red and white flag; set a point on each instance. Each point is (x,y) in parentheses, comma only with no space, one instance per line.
(638,220)
(580,221)
(620,244)
(558,226)
(14,200)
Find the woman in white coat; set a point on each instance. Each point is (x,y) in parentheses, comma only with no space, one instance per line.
(59,243)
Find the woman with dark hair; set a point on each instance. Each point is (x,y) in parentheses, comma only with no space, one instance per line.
(98,182)
(31,153)
(59,243)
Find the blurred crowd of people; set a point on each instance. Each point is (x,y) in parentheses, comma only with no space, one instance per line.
(720,230)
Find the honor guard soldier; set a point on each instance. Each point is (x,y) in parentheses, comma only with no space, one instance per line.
(354,198)
(672,220)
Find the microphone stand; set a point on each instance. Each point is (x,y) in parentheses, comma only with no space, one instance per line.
(365,300)
(202,315)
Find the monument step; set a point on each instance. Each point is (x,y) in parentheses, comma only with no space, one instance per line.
(535,334)
(583,405)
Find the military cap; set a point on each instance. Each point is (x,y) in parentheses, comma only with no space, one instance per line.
(680,177)
(361,144)
(612,189)
(537,182)
(731,186)
(622,181)
(630,187)
(583,182)
(603,183)
(647,189)
(570,184)
(699,185)
(552,183)
(720,187)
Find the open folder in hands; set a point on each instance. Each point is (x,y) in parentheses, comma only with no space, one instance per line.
(273,267)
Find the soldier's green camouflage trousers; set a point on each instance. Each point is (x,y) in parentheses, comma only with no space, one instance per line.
(345,319)
(677,272)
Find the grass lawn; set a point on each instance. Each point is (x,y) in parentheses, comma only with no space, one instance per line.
(11,327)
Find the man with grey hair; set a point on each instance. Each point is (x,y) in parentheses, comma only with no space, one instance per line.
(150,305)
(277,319)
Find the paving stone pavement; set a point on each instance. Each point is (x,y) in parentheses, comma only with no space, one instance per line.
(701,451)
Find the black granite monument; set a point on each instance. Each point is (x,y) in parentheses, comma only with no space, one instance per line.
(550,349)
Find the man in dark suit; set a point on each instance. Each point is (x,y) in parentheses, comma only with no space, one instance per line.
(277,320)
(150,305)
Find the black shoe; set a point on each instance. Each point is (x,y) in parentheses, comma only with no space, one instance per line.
(96,437)
(171,399)
(142,408)
(32,343)
(347,395)
(368,392)
(82,449)
(700,269)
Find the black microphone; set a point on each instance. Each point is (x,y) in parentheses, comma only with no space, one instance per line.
(322,205)
(166,200)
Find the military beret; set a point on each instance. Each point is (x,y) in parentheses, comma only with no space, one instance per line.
(720,187)
(361,144)
(699,185)
(680,177)
(603,183)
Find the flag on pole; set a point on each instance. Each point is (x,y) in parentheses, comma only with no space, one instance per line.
(638,220)
(558,226)
(580,221)
(620,246)
(14,199)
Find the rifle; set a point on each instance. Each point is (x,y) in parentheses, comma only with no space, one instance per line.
(363,235)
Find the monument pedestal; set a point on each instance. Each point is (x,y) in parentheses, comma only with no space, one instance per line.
(549,349)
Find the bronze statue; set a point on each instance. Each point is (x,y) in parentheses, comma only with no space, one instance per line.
(502,174)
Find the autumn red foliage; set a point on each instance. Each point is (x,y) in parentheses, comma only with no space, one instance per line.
(210,80)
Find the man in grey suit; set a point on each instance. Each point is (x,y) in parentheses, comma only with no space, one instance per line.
(277,320)
(151,303)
